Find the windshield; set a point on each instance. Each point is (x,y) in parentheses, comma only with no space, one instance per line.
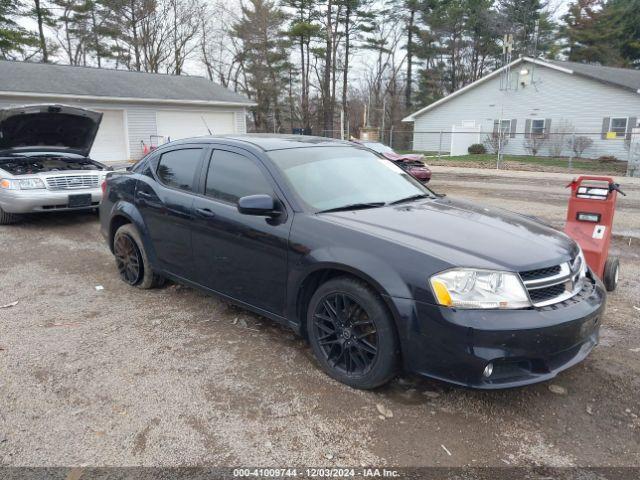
(331,177)
(378,147)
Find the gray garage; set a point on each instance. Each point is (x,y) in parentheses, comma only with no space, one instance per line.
(139,109)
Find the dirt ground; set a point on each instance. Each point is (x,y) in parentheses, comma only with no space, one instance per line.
(117,376)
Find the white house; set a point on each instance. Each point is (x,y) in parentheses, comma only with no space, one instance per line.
(139,109)
(540,100)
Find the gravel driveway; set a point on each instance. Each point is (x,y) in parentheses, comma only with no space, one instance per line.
(119,376)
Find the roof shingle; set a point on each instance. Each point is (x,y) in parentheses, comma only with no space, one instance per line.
(622,77)
(42,78)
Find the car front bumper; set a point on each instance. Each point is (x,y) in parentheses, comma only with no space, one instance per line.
(44,200)
(523,346)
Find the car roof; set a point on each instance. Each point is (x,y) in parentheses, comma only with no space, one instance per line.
(269,141)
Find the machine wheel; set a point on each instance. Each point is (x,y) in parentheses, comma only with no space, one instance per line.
(611,273)
(8,218)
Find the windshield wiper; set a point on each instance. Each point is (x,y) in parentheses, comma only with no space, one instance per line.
(409,199)
(354,206)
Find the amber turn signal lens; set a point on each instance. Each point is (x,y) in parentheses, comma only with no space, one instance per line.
(5,183)
(442,294)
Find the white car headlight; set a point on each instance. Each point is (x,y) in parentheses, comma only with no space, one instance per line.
(583,262)
(471,288)
(30,183)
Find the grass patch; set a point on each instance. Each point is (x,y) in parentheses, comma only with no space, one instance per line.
(545,163)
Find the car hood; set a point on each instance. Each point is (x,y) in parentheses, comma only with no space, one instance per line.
(404,157)
(464,234)
(49,128)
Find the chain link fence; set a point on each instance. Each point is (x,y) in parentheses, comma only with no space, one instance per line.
(617,153)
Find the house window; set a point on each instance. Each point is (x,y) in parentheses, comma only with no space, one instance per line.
(619,126)
(537,128)
(505,126)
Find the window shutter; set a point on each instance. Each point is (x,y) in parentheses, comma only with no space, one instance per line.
(605,127)
(514,124)
(527,128)
(631,124)
(547,127)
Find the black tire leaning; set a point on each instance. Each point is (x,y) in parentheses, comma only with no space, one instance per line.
(149,278)
(8,218)
(611,273)
(385,364)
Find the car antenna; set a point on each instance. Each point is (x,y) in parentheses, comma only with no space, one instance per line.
(205,124)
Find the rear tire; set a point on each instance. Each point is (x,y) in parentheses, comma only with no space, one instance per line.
(611,273)
(352,333)
(8,218)
(132,261)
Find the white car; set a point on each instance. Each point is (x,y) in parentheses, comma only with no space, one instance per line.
(44,160)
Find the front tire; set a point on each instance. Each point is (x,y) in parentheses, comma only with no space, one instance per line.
(352,333)
(132,261)
(8,218)
(611,273)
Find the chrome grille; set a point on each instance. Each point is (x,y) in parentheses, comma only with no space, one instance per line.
(554,284)
(72,182)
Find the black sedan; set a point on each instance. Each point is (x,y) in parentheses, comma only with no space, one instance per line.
(374,269)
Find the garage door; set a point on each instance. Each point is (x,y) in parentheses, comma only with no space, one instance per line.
(175,125)
(110,143)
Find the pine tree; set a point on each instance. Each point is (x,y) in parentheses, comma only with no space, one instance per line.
(15,41)
(265,58)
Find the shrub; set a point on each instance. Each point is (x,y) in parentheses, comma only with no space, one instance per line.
(534,143)
(496,141)
(580,144)
(477,149)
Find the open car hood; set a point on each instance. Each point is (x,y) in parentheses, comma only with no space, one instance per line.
(49,128)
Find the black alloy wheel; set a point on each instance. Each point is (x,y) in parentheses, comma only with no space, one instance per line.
(346,334)
(128,259)
(352,333)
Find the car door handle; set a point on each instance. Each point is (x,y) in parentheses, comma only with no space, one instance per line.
(146,195)
(205,212)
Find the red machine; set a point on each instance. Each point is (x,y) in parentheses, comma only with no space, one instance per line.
(590,221)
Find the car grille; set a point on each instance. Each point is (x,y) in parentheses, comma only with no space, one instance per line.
(540,273)
(72,182)
(553,284)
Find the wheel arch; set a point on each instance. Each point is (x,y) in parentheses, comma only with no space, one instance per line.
(321,274)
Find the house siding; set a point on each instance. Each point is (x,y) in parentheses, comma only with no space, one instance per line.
(553,95)
(140,120)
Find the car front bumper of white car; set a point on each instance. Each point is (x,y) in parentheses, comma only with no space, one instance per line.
(45,200)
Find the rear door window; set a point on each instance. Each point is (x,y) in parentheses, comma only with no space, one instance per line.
(177,168)
(232,176)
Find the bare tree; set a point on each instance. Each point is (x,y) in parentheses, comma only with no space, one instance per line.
(558,137)
(580,144)
(534,143)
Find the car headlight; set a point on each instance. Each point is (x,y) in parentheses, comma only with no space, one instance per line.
(30,183)
(583,262)
(471,288)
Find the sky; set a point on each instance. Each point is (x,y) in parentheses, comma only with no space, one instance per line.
(360,59)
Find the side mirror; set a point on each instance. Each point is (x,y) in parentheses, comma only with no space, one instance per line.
(261,205)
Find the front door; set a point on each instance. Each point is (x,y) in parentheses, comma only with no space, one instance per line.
(165,201)
(242,256)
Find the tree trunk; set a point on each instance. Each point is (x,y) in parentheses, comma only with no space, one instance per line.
(345,73)
(327,111)
(134,28)
(43,41)
(407,93)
